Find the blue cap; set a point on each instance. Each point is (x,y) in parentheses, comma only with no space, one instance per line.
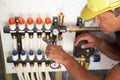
(96,58)
(14,53)
(31,52)
(22,52)
(39,52)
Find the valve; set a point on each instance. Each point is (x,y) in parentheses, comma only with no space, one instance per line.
(54,65)
(39,23)
(39,26)
(39,55)
(21,23)
(30,23)
(84,53)
(23,55)
(31,55)
(15,55)
(47,27)
(12,23)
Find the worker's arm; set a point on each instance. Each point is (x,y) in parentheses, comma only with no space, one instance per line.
(109,49)
(78,72)
(114,73)
(56,53)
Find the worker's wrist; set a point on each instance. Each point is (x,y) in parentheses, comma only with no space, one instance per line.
(69,62)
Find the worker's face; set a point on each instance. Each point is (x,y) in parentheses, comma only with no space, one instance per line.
(108,22)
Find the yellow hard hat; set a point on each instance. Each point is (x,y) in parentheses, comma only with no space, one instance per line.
(96,7)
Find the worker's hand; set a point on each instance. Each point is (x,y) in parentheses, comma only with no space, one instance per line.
(57,54)
(93,41)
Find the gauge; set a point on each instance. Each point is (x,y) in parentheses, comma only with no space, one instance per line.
(55,31)
(54,65)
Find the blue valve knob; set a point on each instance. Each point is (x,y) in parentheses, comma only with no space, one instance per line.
(96,58)
(39,52)
(23,55)
(22,52)
(14,53)
(31,55)
(31,52)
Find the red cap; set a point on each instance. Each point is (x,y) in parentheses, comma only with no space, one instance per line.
(47,20)
(11,21)
(30,20)
(39,20)
(21,20)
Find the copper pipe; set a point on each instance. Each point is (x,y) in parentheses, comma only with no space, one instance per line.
(80,58)
(77,29)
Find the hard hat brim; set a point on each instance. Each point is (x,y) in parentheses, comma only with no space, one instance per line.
(87,13)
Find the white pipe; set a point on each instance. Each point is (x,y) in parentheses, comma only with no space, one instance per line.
(14,44)
(19,73)
(32,72)
(23,42)
(36,70)
(39,40)
(25,72)
(47,73)
(40,72)
(31,41)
